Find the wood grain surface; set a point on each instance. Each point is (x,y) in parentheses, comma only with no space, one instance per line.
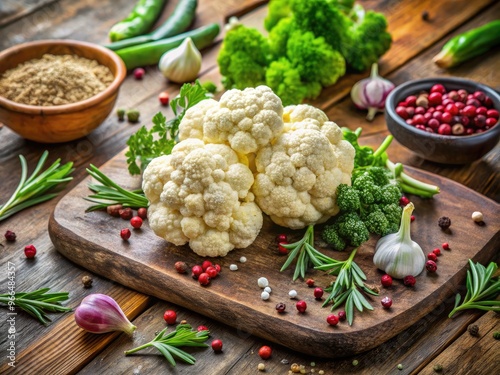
(146,263)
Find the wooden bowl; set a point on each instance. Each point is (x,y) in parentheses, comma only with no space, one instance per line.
(444,149)
(62,123)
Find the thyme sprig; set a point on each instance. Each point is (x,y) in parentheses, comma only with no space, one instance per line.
(38,187)
(169,344)
(483,287)
(37,303)
(347,286)
(305,253)
(110,193)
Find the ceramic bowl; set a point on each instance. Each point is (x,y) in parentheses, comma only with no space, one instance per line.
(444,149)
(62,123)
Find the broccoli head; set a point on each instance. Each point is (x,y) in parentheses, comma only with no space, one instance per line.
(352,229)
(347,198)
(377,223)
(315,60)
(276,11)
(381,176)
(285,81)
(393,214)
(243,58)
(366,40)
(390,194)
(279,35)
(331,237)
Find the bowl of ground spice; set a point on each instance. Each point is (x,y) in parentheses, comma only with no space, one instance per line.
(55,91)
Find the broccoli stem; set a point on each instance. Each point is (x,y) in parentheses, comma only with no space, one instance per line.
(383,146)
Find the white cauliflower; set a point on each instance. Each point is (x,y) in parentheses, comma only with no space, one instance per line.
(245,119)
(297,176)
(200,194)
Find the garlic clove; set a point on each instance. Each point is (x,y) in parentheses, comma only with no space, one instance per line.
(181,64)
(99,313)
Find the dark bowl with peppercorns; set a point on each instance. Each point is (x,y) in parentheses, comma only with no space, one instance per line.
(444,120)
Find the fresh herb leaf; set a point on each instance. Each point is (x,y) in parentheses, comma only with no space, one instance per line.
(110,193)
(39,187)
(483,288)
(145,145)
(37,303)
(168,344)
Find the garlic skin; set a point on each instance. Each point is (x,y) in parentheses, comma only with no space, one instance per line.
(370,93)
(181,64)
(99,313)
(397,254)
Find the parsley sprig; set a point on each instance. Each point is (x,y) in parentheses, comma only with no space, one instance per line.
(145,145)
(37,303)
(169,344)
(348,286)
(483,287)
(38,187)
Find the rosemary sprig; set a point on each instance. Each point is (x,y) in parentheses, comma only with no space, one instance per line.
(168,344)
(346,287)
(110,193)
(37,188)
(483,287)
(37,303)
(305,253)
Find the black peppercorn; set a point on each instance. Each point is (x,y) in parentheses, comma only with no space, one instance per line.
(87,281)
(425,15)
(444,222)
(10,236)
(473,329)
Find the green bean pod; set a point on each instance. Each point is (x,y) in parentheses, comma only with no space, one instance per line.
(150,53)
(468,45)
(139,21)
(179,21)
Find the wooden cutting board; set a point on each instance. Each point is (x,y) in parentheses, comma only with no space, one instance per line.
(146,263)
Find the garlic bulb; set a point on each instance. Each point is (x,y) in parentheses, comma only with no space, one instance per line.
(181,64)
(397,254)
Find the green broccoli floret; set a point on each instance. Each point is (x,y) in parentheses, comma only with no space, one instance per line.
(390,194)
(279,35)
(276,11)
(331,237)
(243,58)
(366,40)
(348,198)
(352,229)
(285,81)
(322,18)
(393,214)
(365,186)
(209,86)
(315,60)
(381,176)
(377,223)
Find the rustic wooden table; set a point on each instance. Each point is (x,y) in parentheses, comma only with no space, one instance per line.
(62,348)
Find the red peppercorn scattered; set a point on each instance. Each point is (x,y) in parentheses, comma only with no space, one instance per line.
(412,218)
(181,267)
(280,307)
(204,279)
(318,293)
(342,315)
(125,234)
(445,246)
(386,280)
(164,98)
(126,213)
(281,249)
(386,302)
(30,251)
(211,272)
(454,112)
(281,238)
(196,271)
(403,201)
(218,268)
(170,316)
(432,256)
(301,306)
(332,319)
(142,213)
(217,345)
(409,280)
(202,328)
(136,222)
(265,352)
(437,251)
(206,264)
(139,73)
(10,236)
(310,283)
(431,266)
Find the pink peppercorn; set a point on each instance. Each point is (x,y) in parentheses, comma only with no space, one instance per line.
(30,251)
(332,319)
(445,246)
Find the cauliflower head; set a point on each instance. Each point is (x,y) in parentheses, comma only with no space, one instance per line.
(297,176)
(200,194)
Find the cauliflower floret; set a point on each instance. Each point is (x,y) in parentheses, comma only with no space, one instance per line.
(200,195)
(245,119)
(191,125)
(297,176)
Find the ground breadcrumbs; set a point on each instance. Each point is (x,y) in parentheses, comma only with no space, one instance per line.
(54,80)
